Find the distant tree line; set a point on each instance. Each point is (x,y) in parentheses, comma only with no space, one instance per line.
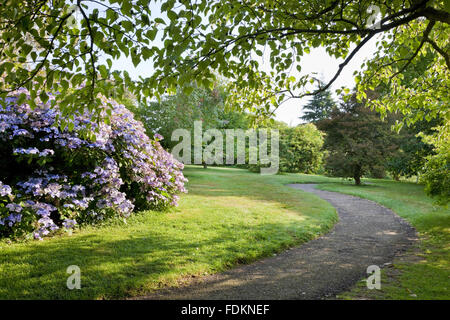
(300,147)
(343,139)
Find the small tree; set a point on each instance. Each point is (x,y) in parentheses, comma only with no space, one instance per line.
(320,106)
(301,149)
(357,140)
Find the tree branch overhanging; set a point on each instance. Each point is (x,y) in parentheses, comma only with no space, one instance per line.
(436,15)
(441,51)
(422,42)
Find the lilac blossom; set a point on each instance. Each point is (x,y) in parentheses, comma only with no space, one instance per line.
(5,190)
(14,207)
(69,223)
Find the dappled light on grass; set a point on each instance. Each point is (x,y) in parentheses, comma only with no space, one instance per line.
(251,217)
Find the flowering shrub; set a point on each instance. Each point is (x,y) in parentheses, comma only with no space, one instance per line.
(52,178)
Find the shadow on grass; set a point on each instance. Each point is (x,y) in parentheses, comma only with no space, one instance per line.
(118,268)
(148,255)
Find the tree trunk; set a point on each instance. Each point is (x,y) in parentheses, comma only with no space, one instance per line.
(357,175)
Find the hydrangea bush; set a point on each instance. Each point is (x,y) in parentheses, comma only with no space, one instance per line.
(52,178)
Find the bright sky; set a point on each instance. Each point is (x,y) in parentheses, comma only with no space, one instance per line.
(317,61)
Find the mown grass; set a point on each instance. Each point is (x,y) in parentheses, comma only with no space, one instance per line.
(425,271)
(230,216)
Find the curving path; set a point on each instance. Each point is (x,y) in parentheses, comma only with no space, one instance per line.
(366,234)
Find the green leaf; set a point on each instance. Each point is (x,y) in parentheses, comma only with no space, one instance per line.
(172,15)
(21,99)
(188,90)
(44,97)
(127,25)
(103,71)
(151,34)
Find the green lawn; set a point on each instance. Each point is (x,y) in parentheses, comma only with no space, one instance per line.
(230,216)
(425,272)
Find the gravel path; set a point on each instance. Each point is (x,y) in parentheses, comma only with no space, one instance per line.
(366,234)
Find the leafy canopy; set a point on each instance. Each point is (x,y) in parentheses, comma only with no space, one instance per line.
(42,49)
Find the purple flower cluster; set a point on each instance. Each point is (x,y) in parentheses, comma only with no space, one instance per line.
(64,178)
(5,190)
(34,151)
